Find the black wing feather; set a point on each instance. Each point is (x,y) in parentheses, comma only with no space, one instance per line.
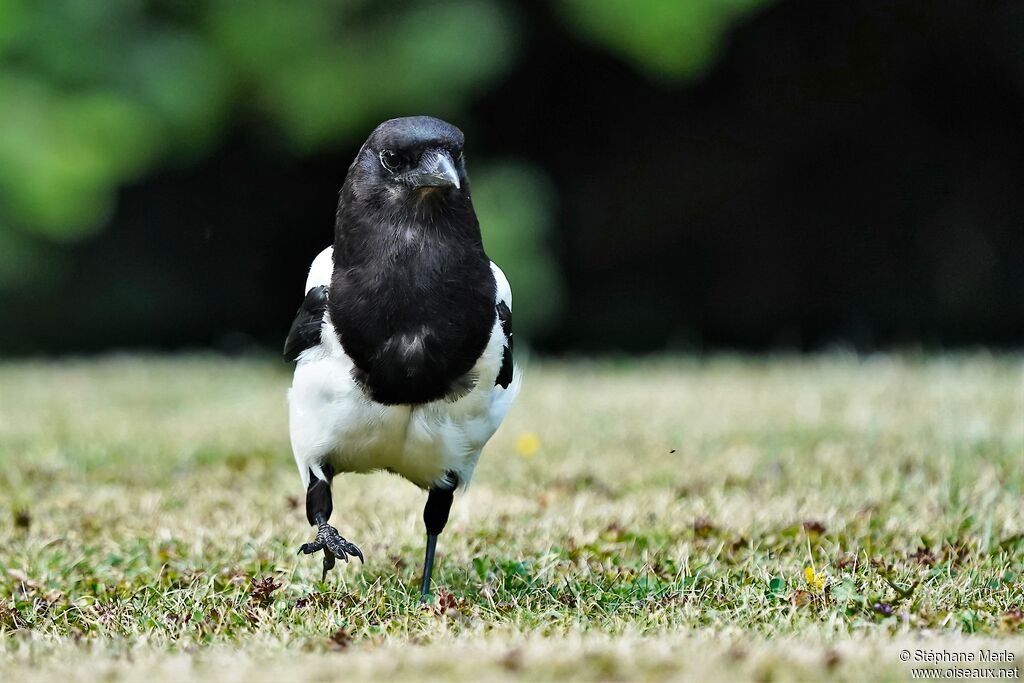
(505,374)
(305,331)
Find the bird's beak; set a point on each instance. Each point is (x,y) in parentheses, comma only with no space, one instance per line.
(436,169)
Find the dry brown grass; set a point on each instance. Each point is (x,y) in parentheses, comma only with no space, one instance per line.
(663,527)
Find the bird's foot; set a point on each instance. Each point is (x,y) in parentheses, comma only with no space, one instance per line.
(333,544)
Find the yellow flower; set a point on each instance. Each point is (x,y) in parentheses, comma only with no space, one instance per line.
(528,444)
(815,580)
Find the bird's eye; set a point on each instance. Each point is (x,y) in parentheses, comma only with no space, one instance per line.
(390,160)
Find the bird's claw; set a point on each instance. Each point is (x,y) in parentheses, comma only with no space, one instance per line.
(333,544)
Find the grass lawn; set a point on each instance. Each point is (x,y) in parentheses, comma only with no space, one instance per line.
(733,518)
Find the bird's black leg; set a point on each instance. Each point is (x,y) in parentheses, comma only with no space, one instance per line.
(435,516)
(319,506)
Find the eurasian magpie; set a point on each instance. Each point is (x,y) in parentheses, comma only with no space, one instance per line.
(403,343)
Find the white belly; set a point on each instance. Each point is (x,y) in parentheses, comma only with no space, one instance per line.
(333,421)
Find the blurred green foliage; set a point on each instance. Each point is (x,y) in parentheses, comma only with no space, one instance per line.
(516,207)
(95,94)
(676,39)
(327,71)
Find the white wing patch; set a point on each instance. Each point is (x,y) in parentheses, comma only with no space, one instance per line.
(321,270)
(504,289)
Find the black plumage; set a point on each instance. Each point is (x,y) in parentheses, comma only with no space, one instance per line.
(505,374)
(412,296)
(305,330)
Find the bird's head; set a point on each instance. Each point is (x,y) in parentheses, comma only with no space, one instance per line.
(410,160)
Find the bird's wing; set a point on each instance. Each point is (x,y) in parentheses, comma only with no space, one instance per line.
(305,331)
(504,308)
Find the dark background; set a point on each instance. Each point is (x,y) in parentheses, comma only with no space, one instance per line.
(840,173)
